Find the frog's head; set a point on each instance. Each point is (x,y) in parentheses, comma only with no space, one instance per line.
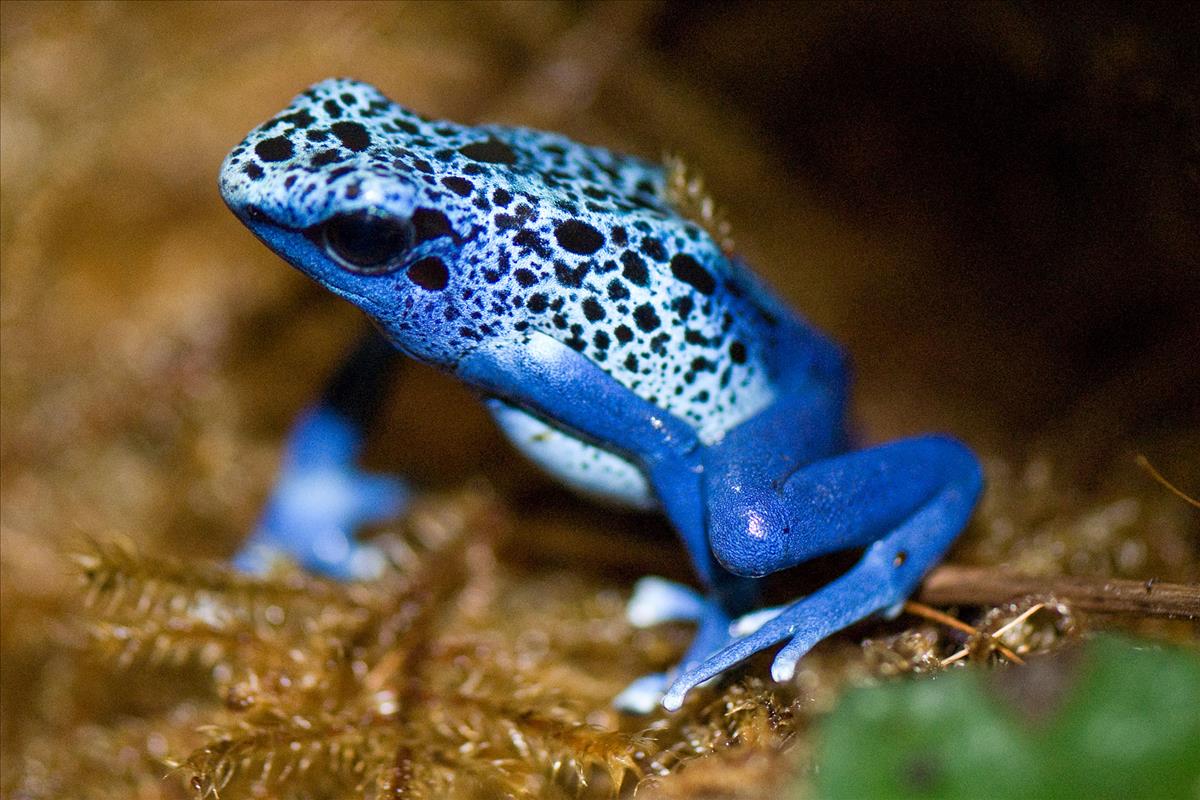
(329,185)
(447,234)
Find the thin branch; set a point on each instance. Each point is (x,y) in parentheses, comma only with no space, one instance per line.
(957,585)
(927,612)
(1145,464)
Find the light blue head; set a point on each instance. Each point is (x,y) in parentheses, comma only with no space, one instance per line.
(342,184)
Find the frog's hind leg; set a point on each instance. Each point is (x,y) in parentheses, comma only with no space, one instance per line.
(321,497)
(905,502)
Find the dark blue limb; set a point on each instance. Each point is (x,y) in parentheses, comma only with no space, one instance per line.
(541,375)
(321,498)
(905,502)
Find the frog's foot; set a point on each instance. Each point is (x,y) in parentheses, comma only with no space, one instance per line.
(319,502)
(656,600)
(866,589)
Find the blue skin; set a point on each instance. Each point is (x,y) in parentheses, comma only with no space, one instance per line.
(615,343)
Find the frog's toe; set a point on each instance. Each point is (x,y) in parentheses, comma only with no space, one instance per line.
(767,634)
(656,600)
(641,696)
(783,668)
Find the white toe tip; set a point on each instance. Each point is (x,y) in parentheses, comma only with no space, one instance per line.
(783,672)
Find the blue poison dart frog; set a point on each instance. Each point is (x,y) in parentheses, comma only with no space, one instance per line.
(616,342)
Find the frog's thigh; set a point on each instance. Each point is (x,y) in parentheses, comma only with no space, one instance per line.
(585,468)
(759,524)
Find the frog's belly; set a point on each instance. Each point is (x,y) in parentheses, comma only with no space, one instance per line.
(583,467)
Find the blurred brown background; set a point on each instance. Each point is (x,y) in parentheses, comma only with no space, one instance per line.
(993,205)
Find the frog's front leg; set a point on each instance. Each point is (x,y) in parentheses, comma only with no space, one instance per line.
(904,502)
(321,496)
(552,381)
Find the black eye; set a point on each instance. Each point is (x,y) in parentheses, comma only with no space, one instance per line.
(367,242)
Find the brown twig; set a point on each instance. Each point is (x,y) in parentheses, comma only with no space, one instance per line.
(1145,464)
(956,585)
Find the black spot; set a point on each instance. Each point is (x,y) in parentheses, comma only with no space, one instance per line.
(352,191)
(352,135)
(430,224)
(737,352)
(601,340)
(429,273)
(617,290)
(406,127)
(253,170)
(634,268)
(277,149)
(421,165)
(688,270)
(347,98)
(460,186)
(559,321)
(537,303)
(571,278)
(290,182)
(319,135)
(624,334)
(631,362)
(501,198)
(324,157)
(526,278)
(683,306)
(339,173)
(333,109)
(502,267)
(619,237)
(528,239)
(519,217)
(492,151)
(645,317)
(653,248)
(576,343)
(694,337)
(578,237)
(593,310)
(301,119)
(702,364)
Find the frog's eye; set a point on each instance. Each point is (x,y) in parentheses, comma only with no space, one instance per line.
(367,242)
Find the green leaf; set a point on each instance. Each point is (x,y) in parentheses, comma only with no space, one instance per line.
(1119,720)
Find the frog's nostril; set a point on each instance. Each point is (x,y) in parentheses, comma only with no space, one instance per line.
(256,214)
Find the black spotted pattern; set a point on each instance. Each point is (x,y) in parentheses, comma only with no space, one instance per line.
(515,233)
